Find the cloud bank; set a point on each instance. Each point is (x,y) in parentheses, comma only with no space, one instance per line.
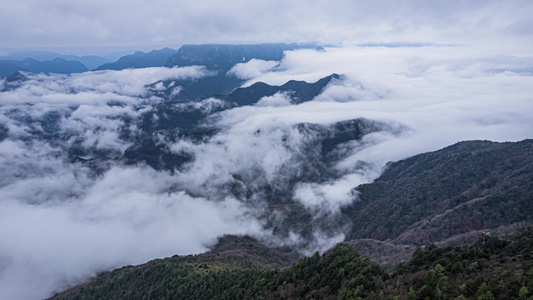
(31,23)
(71,207)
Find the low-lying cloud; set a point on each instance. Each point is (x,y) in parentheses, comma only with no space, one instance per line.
(252,69)
(96,87)
(62,222)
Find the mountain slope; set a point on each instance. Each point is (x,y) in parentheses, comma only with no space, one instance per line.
(90,61)
(12,81)
(218,59)
(223,57)
(154,58)
(166,117)
(205,277)
(491,268)
(298,91)
(446,195)
(57,65)
(10,67)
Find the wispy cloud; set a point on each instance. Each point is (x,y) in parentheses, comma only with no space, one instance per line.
(61,222)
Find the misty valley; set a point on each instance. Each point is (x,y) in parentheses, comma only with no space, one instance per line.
(270,171)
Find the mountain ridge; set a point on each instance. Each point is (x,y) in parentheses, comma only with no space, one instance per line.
(223,57)
(490,268)
(57,65)
(484,254)
(154,58)
(493,173)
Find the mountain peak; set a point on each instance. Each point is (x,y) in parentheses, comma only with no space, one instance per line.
(224,56)
(139,59)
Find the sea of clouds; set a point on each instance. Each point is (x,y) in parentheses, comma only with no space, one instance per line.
(61,222)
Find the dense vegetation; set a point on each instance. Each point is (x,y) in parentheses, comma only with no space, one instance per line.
(450,195)
(458,191)
(491,268)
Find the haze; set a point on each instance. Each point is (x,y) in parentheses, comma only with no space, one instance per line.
(434,72)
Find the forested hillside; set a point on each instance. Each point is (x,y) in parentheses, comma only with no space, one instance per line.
(449,196)
(491,268)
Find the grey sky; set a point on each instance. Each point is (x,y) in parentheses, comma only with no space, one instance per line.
(102,23)
(471,80)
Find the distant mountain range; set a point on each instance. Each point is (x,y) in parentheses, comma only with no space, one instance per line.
(57,65)
(218,57)
(12,63)
(51,62)
(222,57)
(155,58)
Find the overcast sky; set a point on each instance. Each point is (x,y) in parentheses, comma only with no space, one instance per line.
(470,79)
(142,24)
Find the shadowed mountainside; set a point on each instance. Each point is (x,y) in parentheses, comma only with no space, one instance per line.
(57,65)
(297,91)
(444,195)
(223,57)
(491,268)
(154,58)
(168,116)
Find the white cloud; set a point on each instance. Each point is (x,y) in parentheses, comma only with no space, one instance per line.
(96,87)
(251,69)
(430,96)
(125,218)
(278,99)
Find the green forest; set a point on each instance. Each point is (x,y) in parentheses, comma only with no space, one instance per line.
(491,268)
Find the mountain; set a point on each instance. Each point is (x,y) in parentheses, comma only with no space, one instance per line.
(227,275)
(89,61)
(448,196)
(10,67)
(13,81)
(293,176)
(298,91)
(226,88)
(223,57)
(155,58)
(57,65)
(195,89)
(218,59)
(171,116)
(37,55)
(491,268)
(168,116)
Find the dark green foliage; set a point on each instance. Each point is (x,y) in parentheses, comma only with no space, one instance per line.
(341,269)
(447,194)
(494,268)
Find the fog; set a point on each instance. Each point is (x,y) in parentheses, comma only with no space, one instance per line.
(62,222)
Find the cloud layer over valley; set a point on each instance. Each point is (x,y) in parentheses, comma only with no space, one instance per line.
(73,203)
